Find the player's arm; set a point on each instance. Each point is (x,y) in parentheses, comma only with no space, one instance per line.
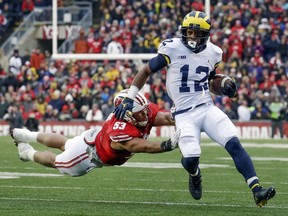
(163,118)
(213,73)
(154,65)
(139,145)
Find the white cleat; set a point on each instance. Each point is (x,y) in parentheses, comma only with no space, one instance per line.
(21,135)
(23,149)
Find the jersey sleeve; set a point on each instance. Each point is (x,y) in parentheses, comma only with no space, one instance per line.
(154,110)
(122,131)
(167,48)
(217,55)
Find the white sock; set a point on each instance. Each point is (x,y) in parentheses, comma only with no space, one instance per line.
(33,136)
(31,154)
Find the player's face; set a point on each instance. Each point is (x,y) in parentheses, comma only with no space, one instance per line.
(142,117)
(194,35)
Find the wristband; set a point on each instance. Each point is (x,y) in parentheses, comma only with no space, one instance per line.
(133,92)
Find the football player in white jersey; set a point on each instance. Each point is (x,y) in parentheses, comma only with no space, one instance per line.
(191,62)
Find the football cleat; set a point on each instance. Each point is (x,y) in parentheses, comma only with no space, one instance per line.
(195,186)
(20,135)
(23,149)
(263,195)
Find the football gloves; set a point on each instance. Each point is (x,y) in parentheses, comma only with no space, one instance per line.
(122,108)
(172,143)
(230,89)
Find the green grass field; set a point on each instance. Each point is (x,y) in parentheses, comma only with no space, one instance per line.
(140,188)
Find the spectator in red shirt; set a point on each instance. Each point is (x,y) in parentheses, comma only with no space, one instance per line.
(27,6)
(236,46)
(3,19)
(96,45)
(81,45)
(85,80)
(238,27)
(198,5)
(36,58)
(257,58)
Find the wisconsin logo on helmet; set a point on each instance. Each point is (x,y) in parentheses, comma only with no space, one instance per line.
(201,24)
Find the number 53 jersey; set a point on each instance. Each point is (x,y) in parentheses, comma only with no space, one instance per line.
(188,72)
(121,131)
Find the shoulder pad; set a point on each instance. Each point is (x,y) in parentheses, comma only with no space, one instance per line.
(167,46)
(215,48)
(216,53)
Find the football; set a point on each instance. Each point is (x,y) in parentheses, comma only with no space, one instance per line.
(218,82)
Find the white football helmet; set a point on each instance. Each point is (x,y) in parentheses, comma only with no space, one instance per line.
(140,112)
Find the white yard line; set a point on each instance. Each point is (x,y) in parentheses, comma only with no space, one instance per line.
(127,189)
(167,165)
(142,203)
(253,145)
(266,159)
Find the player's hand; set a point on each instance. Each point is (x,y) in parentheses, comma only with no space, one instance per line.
(172,143)
(121,109)
(230,89)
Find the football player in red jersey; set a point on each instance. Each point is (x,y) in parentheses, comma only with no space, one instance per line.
(114,144)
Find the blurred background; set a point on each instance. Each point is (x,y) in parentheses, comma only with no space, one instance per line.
(69,95)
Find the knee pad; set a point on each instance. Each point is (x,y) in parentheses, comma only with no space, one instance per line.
(190,164)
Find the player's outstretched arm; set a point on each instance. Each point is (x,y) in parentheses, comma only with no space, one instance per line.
(139,145)
(163,118)
(138,82)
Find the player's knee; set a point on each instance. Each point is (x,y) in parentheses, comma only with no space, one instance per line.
(190,164)
(233,146)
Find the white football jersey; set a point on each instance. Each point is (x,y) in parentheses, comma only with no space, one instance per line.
(188,72)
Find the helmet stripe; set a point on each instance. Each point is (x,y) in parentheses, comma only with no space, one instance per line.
(140,100)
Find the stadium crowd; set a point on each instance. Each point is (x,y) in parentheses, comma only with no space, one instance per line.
(252,34)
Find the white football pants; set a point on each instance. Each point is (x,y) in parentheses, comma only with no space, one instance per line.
(206,118)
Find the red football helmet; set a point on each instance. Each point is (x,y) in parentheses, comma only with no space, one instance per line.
(141,112)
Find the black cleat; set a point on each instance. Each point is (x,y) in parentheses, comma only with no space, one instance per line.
(263,195)
(195,186)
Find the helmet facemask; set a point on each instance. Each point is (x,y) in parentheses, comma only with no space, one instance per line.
(196,43)
(140,118)
(195,31)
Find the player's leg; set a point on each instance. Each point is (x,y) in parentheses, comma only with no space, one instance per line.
(221,129)
(75,160)
(273,128)
(190,149)
(281,129)
(27,153)
(51,140)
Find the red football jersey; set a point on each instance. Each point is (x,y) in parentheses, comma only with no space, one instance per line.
(120,131)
